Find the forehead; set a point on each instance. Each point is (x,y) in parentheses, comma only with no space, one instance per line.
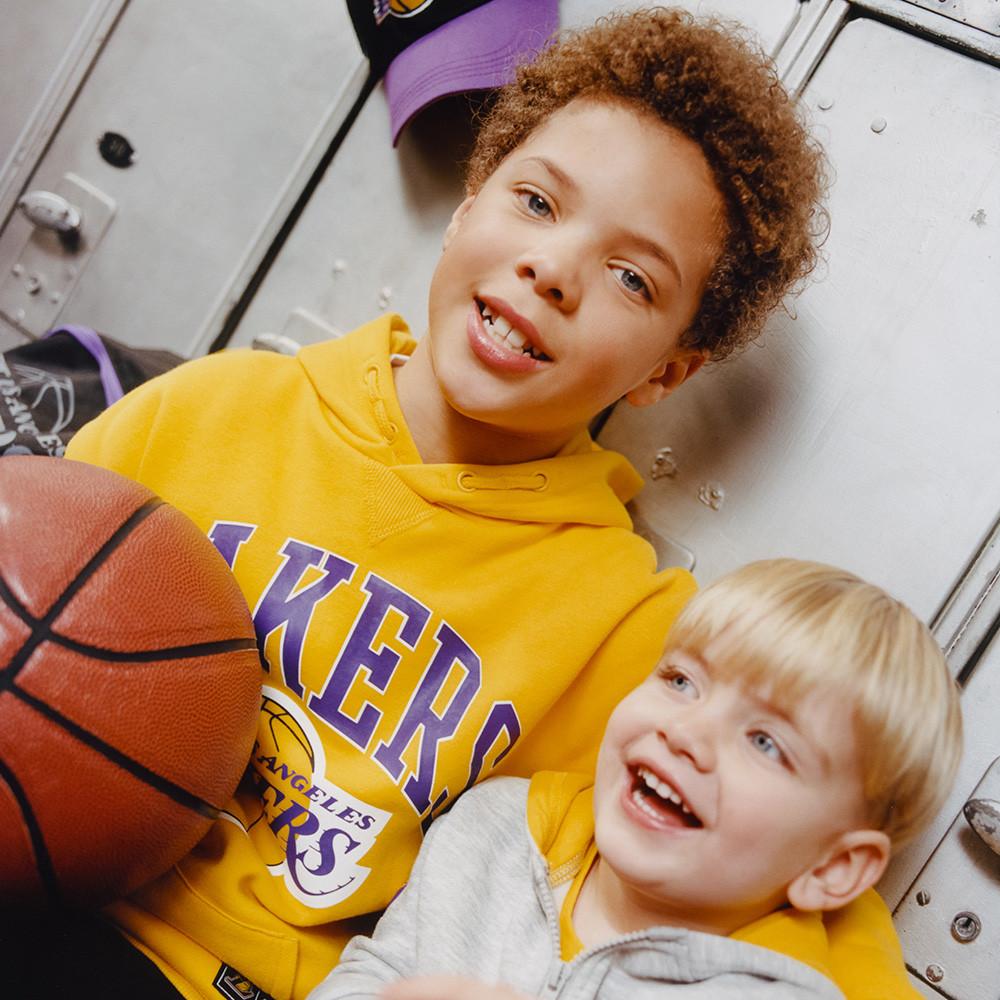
(656,175)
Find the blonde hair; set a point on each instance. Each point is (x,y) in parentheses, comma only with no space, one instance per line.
(798,628)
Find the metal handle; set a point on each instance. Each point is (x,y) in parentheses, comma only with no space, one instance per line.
(51,211)
(983,815)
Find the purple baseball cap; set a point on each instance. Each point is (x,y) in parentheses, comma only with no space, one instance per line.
(431,49)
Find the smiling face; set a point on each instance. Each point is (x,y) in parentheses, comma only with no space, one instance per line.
(714,806)
(568,279)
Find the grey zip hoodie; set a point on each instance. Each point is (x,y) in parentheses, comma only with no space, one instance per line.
(480,903)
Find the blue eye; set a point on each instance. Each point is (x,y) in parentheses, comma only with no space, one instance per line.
(632,282)
(766,745)
(536,204)
(677,681)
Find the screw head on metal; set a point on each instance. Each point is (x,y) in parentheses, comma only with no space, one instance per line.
(664,464)
(33,283)
(965,927)
(934,973)
(878,125)
(923,897)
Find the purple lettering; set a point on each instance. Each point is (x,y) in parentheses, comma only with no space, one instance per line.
(502,720)
(280,608)
(228,536)
(359,654)
(308,826)
(327,861)
(420,715)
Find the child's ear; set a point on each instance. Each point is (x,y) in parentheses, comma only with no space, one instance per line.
(667,376)
(456,219)
(855,863)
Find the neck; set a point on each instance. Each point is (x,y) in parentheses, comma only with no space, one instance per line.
(443,435)
(607,908)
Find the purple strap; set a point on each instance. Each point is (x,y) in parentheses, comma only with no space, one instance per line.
(91,340)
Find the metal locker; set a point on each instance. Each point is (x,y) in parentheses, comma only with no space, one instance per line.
(228,108)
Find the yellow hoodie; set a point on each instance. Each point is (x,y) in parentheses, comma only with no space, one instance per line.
(424,626)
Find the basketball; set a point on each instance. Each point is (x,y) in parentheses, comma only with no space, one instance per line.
(129,683)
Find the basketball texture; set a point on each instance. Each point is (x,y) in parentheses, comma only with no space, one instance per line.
(129,683)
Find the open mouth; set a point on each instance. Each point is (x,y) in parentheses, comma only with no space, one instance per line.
(660,800)
(500,329)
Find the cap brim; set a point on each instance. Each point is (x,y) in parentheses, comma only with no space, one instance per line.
(478,50)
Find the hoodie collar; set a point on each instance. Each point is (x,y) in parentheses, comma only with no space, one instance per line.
(583,484)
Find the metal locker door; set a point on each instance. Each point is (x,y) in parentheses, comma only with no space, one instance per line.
(228,108)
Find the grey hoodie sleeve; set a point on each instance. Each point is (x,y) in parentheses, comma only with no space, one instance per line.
(436,923)
(369,963)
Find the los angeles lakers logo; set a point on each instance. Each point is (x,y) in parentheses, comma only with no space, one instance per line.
(399,8)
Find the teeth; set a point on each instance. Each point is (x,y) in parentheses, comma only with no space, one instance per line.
(516,339)
(502,331)
(661,788)
(501,327)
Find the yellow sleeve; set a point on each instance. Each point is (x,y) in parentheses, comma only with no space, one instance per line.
(117,438)
(865,957)
(567,738)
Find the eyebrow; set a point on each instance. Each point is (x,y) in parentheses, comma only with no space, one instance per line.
(642,243)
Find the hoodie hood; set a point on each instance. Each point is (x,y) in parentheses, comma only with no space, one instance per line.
(583,484)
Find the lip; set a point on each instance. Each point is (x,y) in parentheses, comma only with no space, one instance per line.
(643,818)
(501,307)
(493,354)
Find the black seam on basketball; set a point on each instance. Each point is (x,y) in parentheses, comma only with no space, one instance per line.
(198,649)
(149,777)
(41,627)
(43,861)
(7,597)
(100,557)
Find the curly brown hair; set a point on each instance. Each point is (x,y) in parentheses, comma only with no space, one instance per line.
(705,78)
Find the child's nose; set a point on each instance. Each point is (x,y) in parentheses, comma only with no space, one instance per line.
(690,734)
(552,275)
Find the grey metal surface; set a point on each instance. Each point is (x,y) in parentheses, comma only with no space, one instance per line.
(851,435)
(46,49)
(227,106)
(969,618)
(949,920)
(984,14)
(48,268)
(970,27)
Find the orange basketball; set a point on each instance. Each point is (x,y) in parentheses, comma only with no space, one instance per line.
(129,683)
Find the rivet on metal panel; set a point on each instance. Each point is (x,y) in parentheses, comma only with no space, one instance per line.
(978,217)
(17,270)
(965,927)
(711,495)
(33,283)
(19,316)
(665,464)
(934,973)
(923,897)
(384,296)
(825,103)
(878,125)
(339,266)
(55,298)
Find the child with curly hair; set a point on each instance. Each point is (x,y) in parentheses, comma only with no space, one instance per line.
(409,520)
